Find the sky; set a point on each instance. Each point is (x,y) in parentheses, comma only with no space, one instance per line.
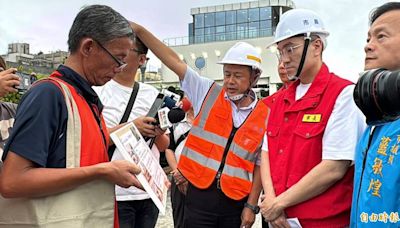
(45,24)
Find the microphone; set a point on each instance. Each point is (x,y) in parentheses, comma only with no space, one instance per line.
(160,109)
(176,115)
(169,102)
(171,94)
(185,104)
(165,112)
(171,89)
(168,117)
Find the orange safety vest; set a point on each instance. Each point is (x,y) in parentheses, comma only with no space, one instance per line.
(89,205)
(211,136)
(94,148)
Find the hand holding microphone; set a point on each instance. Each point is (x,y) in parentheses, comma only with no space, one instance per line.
(149,125)
(165,112)
(146,126)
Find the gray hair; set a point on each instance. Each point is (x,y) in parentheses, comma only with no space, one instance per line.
(99,22)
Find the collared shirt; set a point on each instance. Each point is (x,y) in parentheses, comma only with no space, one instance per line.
(338,142)
(40,123)
(81,85)
(196,89)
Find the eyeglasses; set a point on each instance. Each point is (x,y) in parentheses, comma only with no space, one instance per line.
(287,51)
(121,64)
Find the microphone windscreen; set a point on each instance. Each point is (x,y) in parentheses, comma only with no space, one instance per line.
(186,105)
(176,115)
(171,88)
(169,102)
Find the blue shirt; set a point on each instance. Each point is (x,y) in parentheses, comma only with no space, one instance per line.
(39,132)
(376,196)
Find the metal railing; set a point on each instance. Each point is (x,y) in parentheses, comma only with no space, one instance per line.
(217,37)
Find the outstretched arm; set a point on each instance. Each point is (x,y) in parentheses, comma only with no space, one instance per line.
(162,51)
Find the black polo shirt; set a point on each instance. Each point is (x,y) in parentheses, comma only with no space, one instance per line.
(39,132)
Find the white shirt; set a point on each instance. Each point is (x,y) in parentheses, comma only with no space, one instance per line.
(345,126)
(180,129)
(115,98)
(301,90)
(196,88)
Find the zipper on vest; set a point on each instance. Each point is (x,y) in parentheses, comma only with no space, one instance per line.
(221,167)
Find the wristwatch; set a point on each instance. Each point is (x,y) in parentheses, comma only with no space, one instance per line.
(255,209)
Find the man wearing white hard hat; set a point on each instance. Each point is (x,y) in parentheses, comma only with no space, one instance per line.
(220,154)
(312,132)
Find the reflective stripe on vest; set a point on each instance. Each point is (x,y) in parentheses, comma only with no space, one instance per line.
(201,157)
(213,164)
(215,90)
(221,141)
(212,137)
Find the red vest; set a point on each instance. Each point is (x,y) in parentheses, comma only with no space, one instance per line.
(271,99)
(295,130)
(93,148)
(207,140)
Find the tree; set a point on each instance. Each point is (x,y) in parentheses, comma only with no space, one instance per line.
(12,97)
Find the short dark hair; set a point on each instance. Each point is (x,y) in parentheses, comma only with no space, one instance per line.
(377,12)
(99,22)
(141,47)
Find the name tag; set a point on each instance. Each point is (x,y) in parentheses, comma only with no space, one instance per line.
(312,118)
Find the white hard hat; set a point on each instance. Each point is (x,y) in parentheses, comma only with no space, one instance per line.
(299,21)
(243,53)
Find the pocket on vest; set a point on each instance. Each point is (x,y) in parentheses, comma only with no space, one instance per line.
(309,130)
(249,143)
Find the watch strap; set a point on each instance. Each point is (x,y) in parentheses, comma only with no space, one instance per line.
(255,209)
